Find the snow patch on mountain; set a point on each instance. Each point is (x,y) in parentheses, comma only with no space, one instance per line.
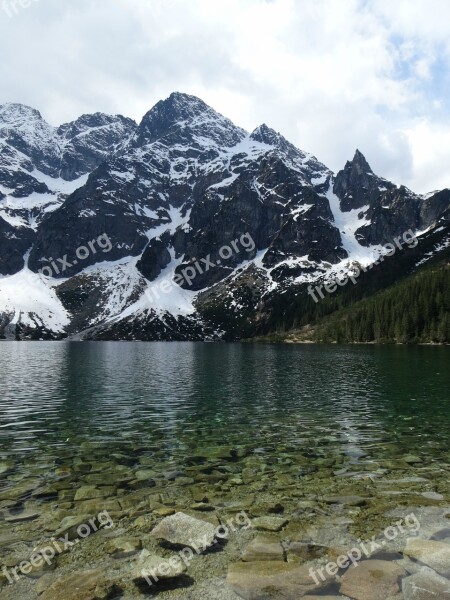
(348,222)
(30,298)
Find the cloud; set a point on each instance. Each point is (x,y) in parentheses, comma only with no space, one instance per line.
(331,76)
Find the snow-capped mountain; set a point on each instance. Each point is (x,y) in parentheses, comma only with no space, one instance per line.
(160,201)
(41,165)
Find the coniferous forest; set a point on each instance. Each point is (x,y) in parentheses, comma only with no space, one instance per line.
(403,300)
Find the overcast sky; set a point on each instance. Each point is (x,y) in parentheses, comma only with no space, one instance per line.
(330,75)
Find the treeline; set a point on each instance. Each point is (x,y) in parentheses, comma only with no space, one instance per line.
(415,310)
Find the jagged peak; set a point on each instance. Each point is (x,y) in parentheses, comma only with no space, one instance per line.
(180,111)
(179,107)
(91,121)
(360,161)
(266,135)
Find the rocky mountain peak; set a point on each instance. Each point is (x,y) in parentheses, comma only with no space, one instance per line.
(266,135)
(184,114)
(14,114)
(357,185)
(94,121)
(183,185)
(359,163)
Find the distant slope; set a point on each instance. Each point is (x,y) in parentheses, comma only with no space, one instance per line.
(415,310)
(406,299)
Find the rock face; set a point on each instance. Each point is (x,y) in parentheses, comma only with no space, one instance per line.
(190,174)
(357,185)
(389,210)
(372,580)
(154,231)
(41,165)
(182,530)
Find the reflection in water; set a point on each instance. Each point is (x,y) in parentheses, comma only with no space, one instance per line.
(179,395)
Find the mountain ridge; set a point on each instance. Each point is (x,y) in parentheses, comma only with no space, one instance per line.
(172,190)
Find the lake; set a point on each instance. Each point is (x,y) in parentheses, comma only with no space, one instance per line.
(327,443)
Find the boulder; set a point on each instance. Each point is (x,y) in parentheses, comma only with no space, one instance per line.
(269,523)
(274,580)
(262,548)
(183,530)
(372,580)
(425,585)
(81,585)
(152,568)
(123,546)
(433,554)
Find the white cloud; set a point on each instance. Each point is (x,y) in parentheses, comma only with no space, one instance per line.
(430,143)
(331,76)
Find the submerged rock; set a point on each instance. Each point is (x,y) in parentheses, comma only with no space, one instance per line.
(269,523)
(90,492)
(182,530)
(274,580)
(372,580)
(425,585)
(26,515)
(264,547)
(82,585)
(69,526)
(431,553)
(152,568)
(123,546)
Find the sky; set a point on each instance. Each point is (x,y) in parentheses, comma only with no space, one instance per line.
(330,75)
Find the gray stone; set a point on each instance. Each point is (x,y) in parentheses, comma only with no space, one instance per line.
(82,585)
(274,580)
(372,580)
(426,585)
(123,546)
(182,530)
(152,568)
(264,547)
(432,496)
(269,523)
(433,554)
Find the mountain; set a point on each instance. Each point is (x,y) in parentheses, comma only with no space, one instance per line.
(41,165)
(182,227)
(400,298)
